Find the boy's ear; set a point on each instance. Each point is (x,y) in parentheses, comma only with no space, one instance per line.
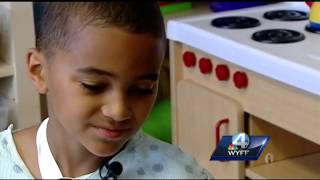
(36,69)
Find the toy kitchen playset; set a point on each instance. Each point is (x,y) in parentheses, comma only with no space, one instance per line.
(253,70)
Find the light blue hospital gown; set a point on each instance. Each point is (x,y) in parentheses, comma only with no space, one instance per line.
(143,157)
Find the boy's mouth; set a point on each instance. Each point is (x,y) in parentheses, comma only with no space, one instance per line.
(112,133)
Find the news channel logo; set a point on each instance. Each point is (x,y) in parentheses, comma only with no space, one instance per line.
(240,147)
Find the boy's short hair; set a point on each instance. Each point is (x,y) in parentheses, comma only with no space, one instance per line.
(56,23)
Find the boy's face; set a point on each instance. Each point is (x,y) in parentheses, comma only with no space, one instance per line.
(102,88)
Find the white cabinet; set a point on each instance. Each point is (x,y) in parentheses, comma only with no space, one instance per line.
(16,36)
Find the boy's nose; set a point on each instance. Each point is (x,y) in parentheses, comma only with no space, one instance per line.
(117,109)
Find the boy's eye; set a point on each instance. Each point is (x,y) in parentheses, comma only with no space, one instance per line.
(93,88)
(148,90)
(142,91)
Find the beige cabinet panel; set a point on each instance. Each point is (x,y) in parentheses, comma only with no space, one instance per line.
(198,111)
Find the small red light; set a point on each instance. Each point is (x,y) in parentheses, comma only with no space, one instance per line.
(222,72)
(205,65)
(189,59)
(240,79)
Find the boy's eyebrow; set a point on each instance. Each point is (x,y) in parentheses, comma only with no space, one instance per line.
(96,71)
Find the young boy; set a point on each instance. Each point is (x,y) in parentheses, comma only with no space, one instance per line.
(98,64)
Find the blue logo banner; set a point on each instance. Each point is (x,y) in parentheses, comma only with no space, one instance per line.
(240,147)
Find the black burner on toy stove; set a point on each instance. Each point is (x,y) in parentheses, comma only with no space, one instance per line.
(235,22)
(277,36)
(286,15)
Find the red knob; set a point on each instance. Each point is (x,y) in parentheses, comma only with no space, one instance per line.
(189,59)
(240,79)
(205,65)
(222,72)
(309,3)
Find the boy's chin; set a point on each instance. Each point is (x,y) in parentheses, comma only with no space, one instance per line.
(108,151)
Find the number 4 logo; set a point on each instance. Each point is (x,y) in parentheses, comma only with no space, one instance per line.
(241,139)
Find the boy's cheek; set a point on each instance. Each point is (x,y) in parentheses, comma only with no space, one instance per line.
(145,109)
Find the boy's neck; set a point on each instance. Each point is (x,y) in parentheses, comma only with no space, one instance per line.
(73,159)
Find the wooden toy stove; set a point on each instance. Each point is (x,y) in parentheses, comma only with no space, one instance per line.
(254,70)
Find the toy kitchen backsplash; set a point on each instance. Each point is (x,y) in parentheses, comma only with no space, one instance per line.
(259,68)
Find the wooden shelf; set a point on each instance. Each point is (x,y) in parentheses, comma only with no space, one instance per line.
(303,167)
(6,70)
